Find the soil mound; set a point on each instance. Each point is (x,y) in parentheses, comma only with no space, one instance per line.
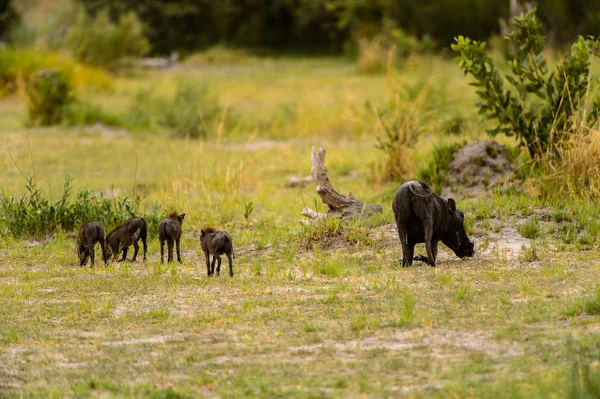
(478,168)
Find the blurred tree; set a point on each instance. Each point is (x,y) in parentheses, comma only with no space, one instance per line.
(101,42)
(327,25)
(565,20)
(196,24)
(8,17)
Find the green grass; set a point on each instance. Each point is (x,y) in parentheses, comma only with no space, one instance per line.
(530,229)
(313,311)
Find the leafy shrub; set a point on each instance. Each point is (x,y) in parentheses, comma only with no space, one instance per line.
(35,215)
(543,108)
(47,93)
(192,110)
(18,64)
(15,64)
(99,41)
(191,113)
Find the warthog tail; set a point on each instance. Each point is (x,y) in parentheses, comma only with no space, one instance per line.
(424,186)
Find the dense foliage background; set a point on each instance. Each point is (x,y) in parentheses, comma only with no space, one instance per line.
(327,26)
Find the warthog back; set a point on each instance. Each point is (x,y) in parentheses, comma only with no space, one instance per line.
(127,234)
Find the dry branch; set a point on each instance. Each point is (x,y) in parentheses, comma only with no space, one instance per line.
(339,205)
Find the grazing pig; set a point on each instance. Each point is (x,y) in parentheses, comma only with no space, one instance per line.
(423,216)
(216,243)
(130,232)
(170,230)
(90,234)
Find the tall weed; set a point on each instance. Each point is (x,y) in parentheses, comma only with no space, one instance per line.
(574,172)
(35,215)
(400,125)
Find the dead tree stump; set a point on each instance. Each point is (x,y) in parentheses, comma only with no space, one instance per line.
(339,206)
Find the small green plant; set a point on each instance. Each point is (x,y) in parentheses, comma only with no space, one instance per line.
(560,215)
(331,268)
(47,93)
(529,253)
(589,306)
(312,327)
(464,292)
(358,322)
(406,312)
(248,208)
(11,336)
(530,229)
(542,108)
(444,278)
(323,232)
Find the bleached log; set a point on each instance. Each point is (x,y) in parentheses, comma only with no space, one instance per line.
(339,205)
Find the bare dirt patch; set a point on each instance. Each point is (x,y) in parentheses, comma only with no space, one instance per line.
(438,342)
(157,339)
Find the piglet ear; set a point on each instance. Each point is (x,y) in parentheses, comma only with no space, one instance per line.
(451,205)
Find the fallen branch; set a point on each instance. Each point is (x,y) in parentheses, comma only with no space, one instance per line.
(339,205)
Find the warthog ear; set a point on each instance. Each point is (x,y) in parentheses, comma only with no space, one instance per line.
(181,217)
(202,233)
(451,205)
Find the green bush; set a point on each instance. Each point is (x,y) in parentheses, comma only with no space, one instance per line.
(47,92)
(192,112)
(23,64)
(99,41)
(542,108)
(35,215)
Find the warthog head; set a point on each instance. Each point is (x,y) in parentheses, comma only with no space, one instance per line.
(456,237)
